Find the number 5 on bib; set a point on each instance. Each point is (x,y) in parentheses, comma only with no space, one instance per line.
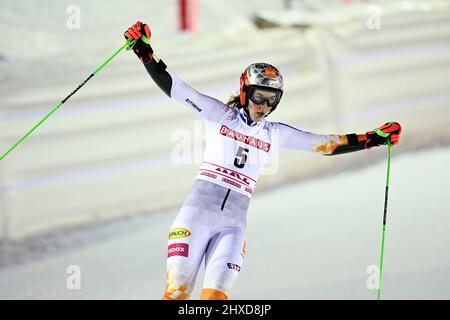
(241,157)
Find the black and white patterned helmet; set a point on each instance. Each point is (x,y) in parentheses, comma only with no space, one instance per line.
(261,75)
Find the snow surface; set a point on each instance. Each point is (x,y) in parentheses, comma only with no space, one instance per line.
(317,247)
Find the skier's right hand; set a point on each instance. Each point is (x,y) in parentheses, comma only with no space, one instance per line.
(141,33)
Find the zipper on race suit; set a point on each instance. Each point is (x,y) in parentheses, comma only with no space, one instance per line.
(225,199)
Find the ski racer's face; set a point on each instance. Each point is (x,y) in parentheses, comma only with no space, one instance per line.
(260,103)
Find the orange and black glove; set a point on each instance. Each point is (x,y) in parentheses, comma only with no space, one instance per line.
(141,33)
(389,133)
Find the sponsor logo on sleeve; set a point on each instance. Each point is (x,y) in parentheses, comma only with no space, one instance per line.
(193,104)
(179,233)
(178,249)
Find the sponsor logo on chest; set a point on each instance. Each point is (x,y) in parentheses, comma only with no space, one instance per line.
(249,140)
(233,174)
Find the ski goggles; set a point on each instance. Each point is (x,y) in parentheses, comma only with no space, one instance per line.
(260,95)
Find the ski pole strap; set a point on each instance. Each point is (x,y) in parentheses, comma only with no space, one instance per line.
(384,135)
(145,39)
(381,133)
(130,44)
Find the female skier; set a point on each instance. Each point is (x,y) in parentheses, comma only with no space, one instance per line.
(212,220)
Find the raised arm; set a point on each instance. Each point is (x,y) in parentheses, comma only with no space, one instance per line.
(332,144)
(171,84)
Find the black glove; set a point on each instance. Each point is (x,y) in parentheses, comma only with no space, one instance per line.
(141,33)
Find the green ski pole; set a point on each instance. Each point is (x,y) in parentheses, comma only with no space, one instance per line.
(386,192)
(128,44)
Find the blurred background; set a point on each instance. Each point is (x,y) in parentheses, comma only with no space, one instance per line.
(99,183)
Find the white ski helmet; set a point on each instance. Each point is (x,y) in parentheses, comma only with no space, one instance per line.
(260,75)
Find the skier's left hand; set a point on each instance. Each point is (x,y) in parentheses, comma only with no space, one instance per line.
(390,131)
